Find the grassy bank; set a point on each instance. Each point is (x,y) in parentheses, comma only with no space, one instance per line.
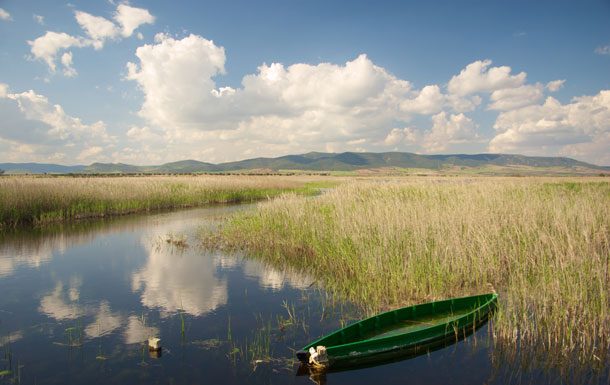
(39,200)
(543,244)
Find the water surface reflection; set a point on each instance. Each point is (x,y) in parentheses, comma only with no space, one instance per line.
(95,291)
(78,301)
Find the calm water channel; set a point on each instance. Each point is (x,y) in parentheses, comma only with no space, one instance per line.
(78,302)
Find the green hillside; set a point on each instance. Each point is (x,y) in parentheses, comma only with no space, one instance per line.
(342,162)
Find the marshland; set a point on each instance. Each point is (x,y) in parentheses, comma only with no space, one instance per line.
(542,244)
(36,200)
(234,289)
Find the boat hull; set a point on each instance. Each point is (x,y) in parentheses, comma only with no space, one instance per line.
(404,332)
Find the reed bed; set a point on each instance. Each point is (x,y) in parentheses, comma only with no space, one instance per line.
(543,244)
(27,200)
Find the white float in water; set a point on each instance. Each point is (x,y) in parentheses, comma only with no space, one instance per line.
(154,344)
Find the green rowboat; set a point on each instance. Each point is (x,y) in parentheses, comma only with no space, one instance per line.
(401,330)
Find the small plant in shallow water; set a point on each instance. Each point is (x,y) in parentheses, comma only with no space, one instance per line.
(255,351)
(232,349)
(292,320)
(100,355)
(259,349)
(7,357)
(179,241)
(182,325)
(74,335)
(291,312)
(10,371)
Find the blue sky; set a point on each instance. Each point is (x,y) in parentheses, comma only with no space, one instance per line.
(221,81)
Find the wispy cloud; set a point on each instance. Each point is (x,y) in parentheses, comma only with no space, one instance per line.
(603,50)
(5,15)
(39,19)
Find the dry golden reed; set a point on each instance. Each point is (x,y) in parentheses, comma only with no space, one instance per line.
(27,200)
(543,244)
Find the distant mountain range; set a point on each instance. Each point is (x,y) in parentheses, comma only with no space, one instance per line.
(320,161)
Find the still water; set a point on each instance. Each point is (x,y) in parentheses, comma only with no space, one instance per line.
(77,304)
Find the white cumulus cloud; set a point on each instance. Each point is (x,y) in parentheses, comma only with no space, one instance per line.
(596,150)
(46,131)
(279,107)
(480,77)
(176,78)
(89,153)
(448,130)
(97,28)
(283,109)
(398,135)
(430,100)
(127,18)
(553,127)
(555,85)
(130,18)
(46,47)
(61,125)
(66,61)
(510,98)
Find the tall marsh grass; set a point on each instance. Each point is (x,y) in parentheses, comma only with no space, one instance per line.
(543,244)
(28,200)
